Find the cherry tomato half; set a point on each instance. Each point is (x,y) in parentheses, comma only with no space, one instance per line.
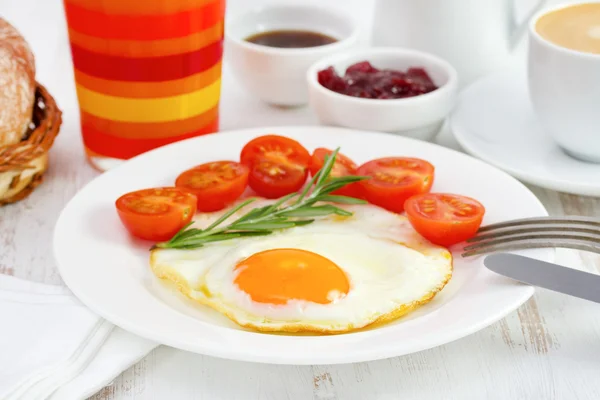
(215,184)
(156,214)
(444,219)
(275,148)
(271,179)
(278,165)
(343,166)
(395,179)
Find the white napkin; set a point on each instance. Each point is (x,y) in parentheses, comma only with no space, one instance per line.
(53,347)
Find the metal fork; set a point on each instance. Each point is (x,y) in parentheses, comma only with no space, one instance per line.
(580,233)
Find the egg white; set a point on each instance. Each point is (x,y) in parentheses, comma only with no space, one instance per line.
(391,270)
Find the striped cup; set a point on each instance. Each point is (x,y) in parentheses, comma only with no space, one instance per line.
(147,72)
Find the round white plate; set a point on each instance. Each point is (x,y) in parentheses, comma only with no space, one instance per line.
(494,121)
(109,271)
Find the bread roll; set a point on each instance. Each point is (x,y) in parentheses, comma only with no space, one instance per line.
(17,84)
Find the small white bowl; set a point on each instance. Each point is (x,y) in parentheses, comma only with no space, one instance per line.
(420,117)
(278,75)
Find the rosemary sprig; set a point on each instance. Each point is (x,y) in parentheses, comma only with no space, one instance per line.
(265,220)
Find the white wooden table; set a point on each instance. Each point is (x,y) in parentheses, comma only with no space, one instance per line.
(548,349)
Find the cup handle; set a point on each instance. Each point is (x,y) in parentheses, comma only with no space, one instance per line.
(518,29)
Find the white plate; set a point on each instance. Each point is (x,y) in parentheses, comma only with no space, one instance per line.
(109,272)
(494,120)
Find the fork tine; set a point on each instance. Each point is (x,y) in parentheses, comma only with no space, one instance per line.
(562,221)
(533,229)
(535,244)
(534,236)
(575,232)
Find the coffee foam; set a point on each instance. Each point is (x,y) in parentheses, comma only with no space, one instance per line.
(575,27)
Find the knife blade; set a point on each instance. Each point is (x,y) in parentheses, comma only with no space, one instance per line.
(546,275)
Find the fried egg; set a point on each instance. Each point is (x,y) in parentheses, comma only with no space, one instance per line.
(335,275)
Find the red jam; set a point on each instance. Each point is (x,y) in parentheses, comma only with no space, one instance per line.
(364,80)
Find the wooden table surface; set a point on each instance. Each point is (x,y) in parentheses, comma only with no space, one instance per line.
(547,349)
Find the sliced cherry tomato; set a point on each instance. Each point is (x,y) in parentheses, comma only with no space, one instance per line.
(215,184)
(343,166)
(395,179)
(271,179)
(156,214)
(278,165)
(279,149)
(444,219)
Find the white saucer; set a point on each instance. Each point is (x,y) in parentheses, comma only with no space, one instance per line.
(494,121)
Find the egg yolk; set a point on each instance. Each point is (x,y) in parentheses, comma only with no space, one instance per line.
(278,275)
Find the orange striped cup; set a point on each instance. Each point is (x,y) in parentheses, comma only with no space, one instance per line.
(147,72)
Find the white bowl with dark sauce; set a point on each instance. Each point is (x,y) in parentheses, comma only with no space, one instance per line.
(270,49)
(416,115)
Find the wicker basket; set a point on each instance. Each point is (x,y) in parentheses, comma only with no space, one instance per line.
(22,165)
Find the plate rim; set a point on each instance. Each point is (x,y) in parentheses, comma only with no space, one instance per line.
(461,136)
(528,290)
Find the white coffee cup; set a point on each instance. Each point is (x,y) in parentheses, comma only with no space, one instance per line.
(564,86)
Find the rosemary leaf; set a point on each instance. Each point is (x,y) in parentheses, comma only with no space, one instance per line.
(185,234)
(325,170)
(228,214)
(262,211)
(342,199)
(308,212)
(339,183)
(254,213)
(307,187)
(302,222)
(183,231)
(267,225)
(221,237)
(307,202)
(342,212)
(279,202)
(187,247)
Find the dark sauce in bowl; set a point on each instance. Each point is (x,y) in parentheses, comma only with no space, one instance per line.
(364,80)
(291,39)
